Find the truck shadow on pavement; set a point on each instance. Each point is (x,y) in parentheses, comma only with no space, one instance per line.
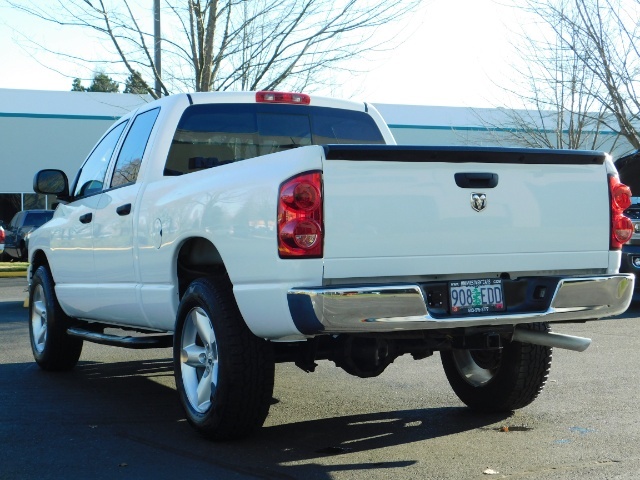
(126,415)
(126,420)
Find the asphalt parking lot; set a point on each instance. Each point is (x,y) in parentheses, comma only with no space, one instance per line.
(117,416)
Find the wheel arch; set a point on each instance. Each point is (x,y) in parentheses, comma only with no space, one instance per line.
(39,259)
(197,257)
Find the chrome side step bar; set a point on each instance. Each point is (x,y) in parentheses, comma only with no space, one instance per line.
(550,339)
(146,341)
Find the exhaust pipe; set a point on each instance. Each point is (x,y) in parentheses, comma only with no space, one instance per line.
(549,339)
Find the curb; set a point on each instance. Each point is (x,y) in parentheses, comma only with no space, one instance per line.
(16,274)
(22,273)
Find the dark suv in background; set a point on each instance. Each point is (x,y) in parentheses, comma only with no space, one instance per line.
(17,232)
(629,170)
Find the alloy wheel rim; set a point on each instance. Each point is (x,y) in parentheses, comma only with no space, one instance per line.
(39,319)
(199,360)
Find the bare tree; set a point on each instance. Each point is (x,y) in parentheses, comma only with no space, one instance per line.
(580,65)
(607,33)
(229,44)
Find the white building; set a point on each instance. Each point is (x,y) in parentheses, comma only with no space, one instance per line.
(48,129)
(424,125)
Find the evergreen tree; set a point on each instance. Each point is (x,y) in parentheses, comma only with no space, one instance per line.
(135,84)
(103,83)
(77,86)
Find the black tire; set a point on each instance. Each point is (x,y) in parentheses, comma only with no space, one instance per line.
(52,348)
(499,380)
(224,374)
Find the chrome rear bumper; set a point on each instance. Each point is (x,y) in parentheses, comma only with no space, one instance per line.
(387,308)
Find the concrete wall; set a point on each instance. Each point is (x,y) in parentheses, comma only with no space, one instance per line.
(423,125)
(31,144)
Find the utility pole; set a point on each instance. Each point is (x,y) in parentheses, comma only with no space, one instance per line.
(156,43)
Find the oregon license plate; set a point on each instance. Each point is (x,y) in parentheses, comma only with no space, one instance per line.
(482,295)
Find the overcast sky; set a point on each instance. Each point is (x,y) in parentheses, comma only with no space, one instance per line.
(456,54)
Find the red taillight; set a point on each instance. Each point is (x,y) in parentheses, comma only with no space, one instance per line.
(300,217)
(620,200)
(283,97)
(1,235)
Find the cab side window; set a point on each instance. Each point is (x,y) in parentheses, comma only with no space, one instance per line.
(130,156)
(91,178)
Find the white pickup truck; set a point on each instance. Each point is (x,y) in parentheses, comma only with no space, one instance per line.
(245,229)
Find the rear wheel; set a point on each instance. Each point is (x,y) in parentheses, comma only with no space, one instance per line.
(224,373)
(499,380)
(52,348)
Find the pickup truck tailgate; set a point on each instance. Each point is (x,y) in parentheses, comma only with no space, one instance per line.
(397,211)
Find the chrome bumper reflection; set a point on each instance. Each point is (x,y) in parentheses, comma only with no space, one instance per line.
(403,307)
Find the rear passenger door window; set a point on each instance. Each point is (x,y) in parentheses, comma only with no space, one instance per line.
(130,156)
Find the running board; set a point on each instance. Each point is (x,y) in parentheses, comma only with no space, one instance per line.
(550,339)
(148,341)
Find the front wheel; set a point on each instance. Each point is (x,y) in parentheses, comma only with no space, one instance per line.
(224,374)
(52,348)
(499,380)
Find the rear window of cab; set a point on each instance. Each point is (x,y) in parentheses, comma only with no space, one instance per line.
(216,134)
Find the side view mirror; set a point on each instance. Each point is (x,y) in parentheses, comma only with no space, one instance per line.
(51,182)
